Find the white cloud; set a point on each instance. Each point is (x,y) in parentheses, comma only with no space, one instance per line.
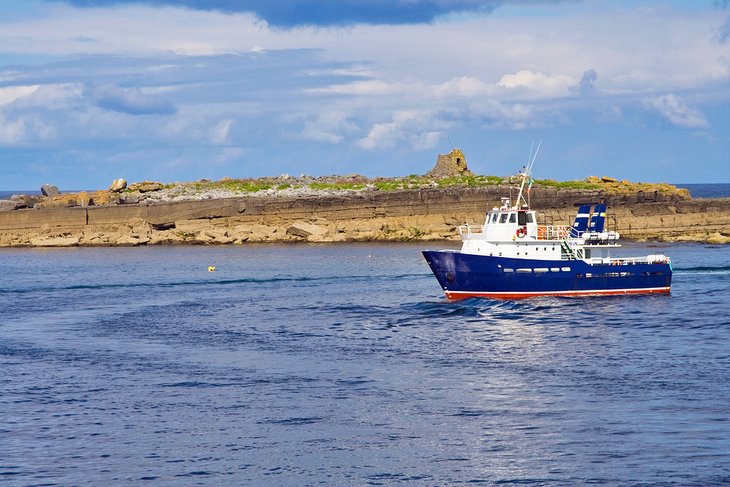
(12,93)
(329,127)
(133,101)
(425,140)
(24,130)
(466,86)
(538,85)
(12,132)
(219,133)
(202,78)
(677,112)
(544,56)
(229,155)
(416,128)
(366,87)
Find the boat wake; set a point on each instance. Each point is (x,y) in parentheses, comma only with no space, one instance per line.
(703,270)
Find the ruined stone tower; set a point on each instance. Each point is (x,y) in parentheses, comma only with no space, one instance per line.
(448,165)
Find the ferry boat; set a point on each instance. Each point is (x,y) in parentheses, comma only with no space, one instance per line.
(512,256)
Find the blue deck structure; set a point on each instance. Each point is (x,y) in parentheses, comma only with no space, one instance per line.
(580,224)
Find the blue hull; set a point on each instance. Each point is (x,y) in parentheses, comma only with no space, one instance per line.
(466,275)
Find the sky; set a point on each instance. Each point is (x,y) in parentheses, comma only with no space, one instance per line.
(179,90)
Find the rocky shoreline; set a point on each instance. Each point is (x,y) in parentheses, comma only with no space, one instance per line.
(159,215)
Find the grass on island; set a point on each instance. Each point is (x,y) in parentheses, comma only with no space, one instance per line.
(413,181)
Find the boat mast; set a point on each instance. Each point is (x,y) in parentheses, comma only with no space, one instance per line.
(526,175)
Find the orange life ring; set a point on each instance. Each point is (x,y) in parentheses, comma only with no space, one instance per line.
(521,232)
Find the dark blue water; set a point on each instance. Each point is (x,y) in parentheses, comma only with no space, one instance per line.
(6,195)
(344,365)
(708,190)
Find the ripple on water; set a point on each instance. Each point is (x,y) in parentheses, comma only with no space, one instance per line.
(284,369)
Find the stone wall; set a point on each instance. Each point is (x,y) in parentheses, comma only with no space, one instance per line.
(448,165)
(425,214)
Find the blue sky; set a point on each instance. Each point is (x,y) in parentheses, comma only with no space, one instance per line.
(178,90)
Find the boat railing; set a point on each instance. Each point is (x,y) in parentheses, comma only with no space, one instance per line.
(648,259)
(467,229)
(552,232)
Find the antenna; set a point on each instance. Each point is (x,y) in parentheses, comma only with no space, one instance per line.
(526,175)
(532,158)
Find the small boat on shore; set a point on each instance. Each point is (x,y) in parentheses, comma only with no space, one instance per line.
(511,256)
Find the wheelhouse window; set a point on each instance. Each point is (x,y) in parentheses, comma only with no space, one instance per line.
(512,218)
(529,218)
(521,218)
(503,218)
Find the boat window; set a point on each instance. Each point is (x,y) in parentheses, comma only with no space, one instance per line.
(565,269)
(512,218)
(503,218)
(555,269)
(494,218)
(521,218)
(541,269)
(529,218)
(508,270)
(524,270)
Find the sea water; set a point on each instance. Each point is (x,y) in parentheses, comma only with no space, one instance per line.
(296,365)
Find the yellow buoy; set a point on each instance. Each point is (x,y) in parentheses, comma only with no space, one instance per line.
(211,268)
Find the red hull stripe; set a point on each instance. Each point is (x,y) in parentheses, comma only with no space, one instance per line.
(453,295)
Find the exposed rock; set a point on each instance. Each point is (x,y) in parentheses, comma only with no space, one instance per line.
(406,215)
(49,190)
(83,199)
(26,200)
(718,238)
(305,230)
(219,236)
(131,240)
(449,165)
(7,205)
(261,233)
(65,240)
(129,198)
(606,179)
(163,226)
(118,185)
(59,201)
(146,186)
(165,237)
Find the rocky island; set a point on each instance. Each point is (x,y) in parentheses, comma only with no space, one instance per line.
(340,209)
